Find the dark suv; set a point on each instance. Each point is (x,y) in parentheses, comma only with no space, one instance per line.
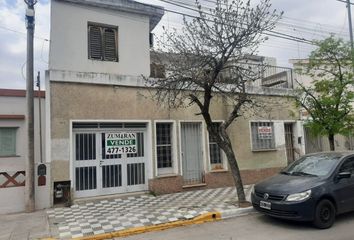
(314,188)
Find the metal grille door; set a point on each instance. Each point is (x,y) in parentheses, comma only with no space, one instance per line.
(289,142)
(192,157)
(97,173)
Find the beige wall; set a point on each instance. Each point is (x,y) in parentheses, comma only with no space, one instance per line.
(70,101)
(68,46)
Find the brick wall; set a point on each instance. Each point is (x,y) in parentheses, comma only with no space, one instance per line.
(173,184)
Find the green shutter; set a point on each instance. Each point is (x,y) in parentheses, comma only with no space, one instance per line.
(8,141)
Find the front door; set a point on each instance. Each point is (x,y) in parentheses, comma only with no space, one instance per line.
(97,172)
(289,142)
(192,156)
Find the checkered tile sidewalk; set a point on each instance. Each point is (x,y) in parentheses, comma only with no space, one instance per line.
(113,215)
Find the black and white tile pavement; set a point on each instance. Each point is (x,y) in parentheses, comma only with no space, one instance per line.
(123,213)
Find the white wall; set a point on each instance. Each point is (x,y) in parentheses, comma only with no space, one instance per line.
(12,198)
(69,50)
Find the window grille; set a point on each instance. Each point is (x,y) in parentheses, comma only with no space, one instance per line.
(214,149)
(164,145)
(102,42)
(262,135)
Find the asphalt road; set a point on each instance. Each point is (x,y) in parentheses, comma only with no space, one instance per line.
(255,227)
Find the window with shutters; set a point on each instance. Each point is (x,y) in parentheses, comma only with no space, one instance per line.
(102,42)
(8,142)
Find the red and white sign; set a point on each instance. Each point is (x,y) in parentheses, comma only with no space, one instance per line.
(265,132)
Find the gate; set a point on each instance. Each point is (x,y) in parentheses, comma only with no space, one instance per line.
(97,173)
(289,142)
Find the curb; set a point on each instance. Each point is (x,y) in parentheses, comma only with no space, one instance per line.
(236,212)
(207,217)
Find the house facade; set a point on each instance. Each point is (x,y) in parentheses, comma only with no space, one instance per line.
(106,135)
(13,151)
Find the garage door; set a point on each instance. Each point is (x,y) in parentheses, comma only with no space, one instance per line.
(109,158)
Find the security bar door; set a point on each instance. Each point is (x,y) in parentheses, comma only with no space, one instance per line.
(86,164)
(192,153)
(97,173)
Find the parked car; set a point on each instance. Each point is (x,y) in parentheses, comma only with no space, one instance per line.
(316,188)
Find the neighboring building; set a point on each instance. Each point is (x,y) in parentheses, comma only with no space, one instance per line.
(97,99)
(13,150)
(316,143)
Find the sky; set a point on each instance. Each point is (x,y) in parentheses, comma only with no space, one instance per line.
(310,19)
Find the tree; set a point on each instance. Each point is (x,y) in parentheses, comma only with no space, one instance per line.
(207,60)
(329,98)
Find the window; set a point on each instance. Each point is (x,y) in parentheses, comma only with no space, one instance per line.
(8,142)
(262,135)
(102,42)
(348,166)
(164,145)
(215,153)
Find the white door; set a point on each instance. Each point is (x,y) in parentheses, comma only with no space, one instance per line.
(192,155)
(97,173)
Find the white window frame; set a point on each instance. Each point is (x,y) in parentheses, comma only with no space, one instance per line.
(223,155)
(251,137)
(174,169)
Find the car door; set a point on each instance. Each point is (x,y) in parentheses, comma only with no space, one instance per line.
(344,188)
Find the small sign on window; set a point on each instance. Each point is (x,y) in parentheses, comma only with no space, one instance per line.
(265,132)
(123,142)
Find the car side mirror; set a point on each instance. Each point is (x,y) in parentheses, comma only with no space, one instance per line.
(344,175)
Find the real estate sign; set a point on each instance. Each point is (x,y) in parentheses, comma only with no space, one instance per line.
(265,132)
(122,142)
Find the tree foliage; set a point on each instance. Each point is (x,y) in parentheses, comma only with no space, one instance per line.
(208,58)
(329,97)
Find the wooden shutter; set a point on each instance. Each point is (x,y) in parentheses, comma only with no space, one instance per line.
(95,43)
(110,44)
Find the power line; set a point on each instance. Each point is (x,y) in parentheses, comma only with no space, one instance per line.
(19,32)
(272,33)
(344,2)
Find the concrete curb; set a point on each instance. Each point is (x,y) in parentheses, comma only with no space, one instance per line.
(236,212)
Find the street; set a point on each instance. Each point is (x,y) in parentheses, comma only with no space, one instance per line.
(254,227)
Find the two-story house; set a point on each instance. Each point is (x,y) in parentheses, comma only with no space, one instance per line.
(105,135)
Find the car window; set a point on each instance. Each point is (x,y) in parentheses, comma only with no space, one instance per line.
(348,166)
(316,165)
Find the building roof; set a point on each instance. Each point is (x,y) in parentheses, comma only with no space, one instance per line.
(19,93)
(154,12)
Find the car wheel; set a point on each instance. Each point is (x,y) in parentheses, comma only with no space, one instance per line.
(325,214)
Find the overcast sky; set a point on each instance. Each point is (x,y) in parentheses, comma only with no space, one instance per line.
(310,19)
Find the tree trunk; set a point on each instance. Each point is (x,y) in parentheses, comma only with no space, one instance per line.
(227,148)
(331,142)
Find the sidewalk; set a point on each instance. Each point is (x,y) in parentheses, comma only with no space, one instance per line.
(127,214)
(145,210)
(24,226)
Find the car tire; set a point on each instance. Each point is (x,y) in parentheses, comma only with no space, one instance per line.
(325,214)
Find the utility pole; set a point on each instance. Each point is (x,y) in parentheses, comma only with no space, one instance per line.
(40,116)
(29,190)
(350,24)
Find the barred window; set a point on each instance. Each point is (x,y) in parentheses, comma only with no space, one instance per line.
(102,42)
(214,150)
(164,145)
(7,142)
(262,135)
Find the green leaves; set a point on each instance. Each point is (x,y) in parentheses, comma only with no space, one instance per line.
(329,98)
